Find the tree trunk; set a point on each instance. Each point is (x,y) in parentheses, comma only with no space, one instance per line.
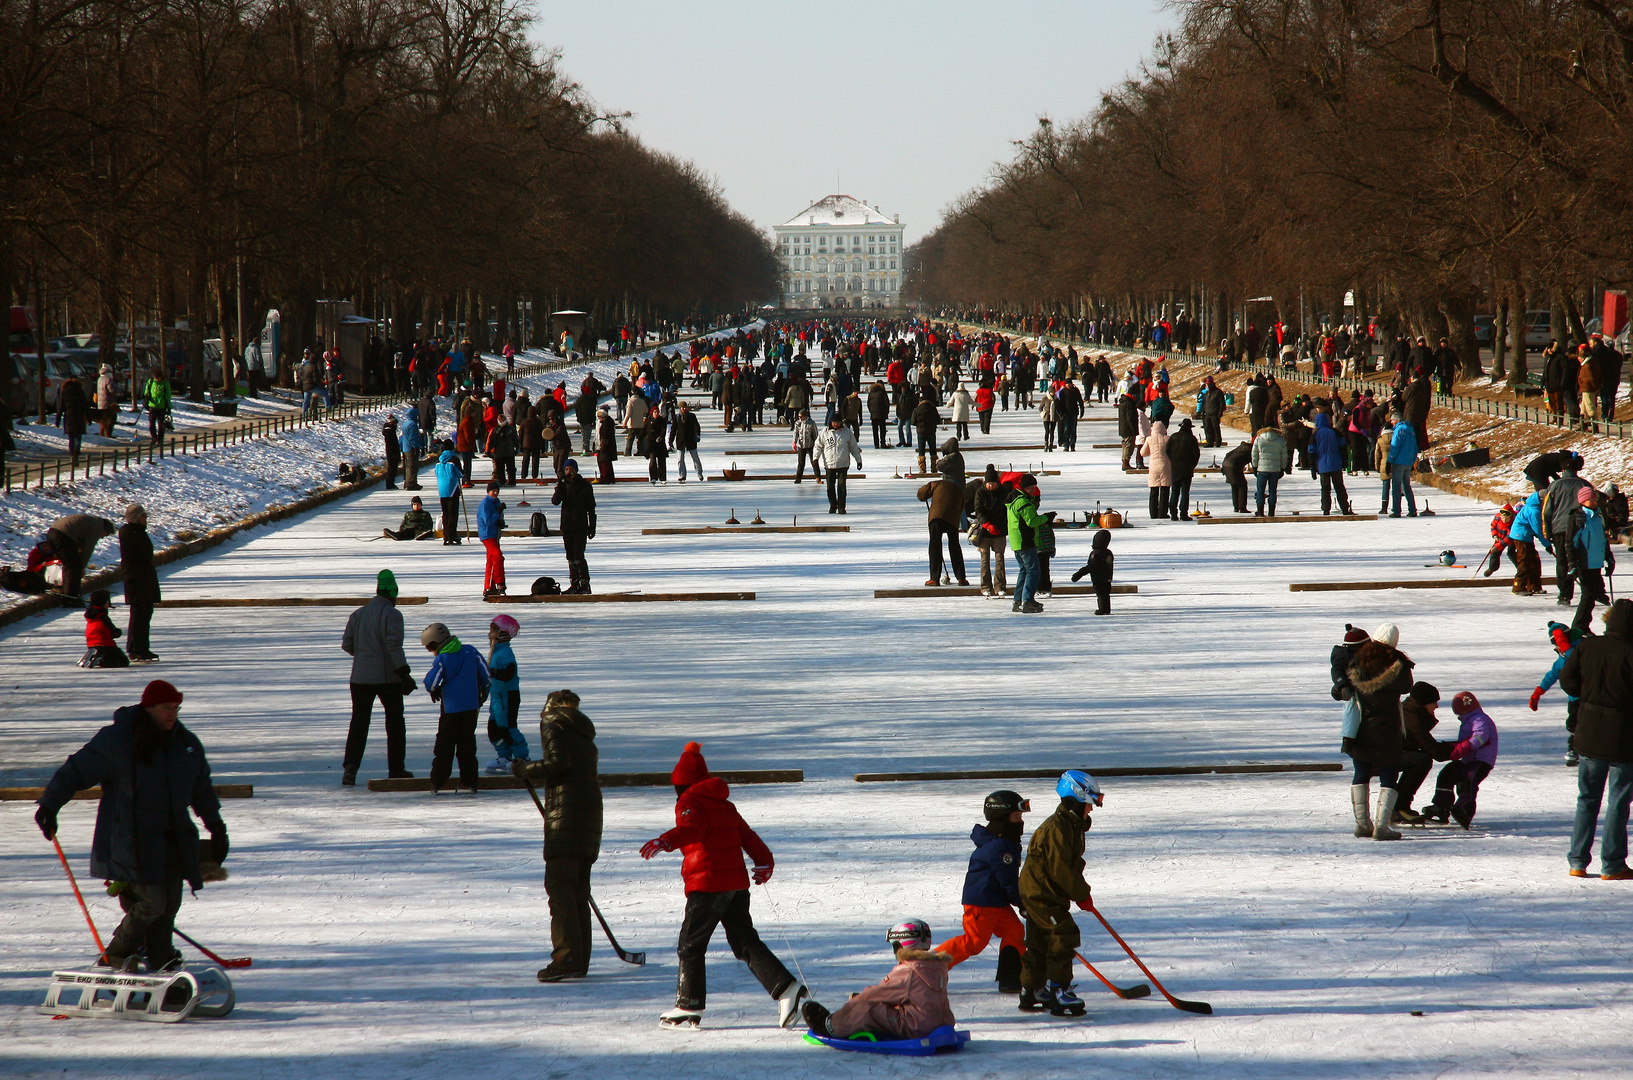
(1458,311)
(1499,340)
(1516,330)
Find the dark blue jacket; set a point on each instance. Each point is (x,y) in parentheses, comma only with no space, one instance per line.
(142,825)
(993,879)
(1329,453)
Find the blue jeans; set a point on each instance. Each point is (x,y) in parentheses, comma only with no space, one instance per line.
(1365,771)
(1591,774)
(902,427)
(1400,480)
(695,461)
(1265,483)
(1026,579)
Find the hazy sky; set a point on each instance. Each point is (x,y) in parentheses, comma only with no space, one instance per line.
(910,101)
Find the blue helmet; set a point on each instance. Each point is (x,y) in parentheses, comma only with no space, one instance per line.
(1079,785)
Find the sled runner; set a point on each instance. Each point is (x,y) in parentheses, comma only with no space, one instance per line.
(166,996)
(943,1040)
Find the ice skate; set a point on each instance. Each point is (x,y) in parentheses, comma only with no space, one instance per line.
(1065,1001)
(789,1002)
(1036,1000)
(498,767)
(681,1018)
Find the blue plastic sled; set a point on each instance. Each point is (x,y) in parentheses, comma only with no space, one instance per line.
(943,1040)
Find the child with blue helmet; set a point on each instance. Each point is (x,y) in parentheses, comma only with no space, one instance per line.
(1051,881)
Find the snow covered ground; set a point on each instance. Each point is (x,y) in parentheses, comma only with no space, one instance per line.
(398,935)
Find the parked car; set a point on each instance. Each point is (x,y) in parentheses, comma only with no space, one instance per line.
(1484,326)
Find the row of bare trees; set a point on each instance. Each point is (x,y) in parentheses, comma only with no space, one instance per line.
(1428,158)
(191,159)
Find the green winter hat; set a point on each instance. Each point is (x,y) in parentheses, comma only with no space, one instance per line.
(386,584)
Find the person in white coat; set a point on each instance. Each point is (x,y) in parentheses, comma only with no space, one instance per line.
(835,448)
(960,401)
(107,401)
(1159,474)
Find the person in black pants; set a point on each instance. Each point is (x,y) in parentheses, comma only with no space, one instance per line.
(141,582)
(458,681)
(1099,570)
(374,640)
(388,434)
(1234,466)
(577,501)
(707,827)
(566,769)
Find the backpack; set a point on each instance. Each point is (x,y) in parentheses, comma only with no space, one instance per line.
(546,586)
(538,525)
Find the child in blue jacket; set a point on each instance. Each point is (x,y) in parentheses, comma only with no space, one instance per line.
(1564,639)
(503,707)
(458,681)
(991,887)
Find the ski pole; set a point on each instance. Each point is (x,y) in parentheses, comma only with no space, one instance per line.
(1139,991)
(240,962)
(636,958)
(101,950)
(1179,1003)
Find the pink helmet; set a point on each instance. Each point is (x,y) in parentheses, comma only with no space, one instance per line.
(506,626)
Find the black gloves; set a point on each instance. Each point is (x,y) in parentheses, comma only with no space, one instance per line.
(47,821)
(218,842)
(481,698)
(518,769)
(408,680)
(436,695)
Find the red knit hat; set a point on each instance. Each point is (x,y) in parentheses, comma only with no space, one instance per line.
(1465,702)
(159,692)
(691,767)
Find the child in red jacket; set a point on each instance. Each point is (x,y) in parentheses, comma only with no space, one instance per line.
(712,837)
(100,651)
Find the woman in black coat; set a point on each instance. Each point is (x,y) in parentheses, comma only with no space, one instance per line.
(1379,676)
(141,581)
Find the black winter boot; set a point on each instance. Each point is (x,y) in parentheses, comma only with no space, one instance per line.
(1009,970)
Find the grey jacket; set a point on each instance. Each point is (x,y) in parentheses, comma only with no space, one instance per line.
(85,530)
(374,641)
(835,449)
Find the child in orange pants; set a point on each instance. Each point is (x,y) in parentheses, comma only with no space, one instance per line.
(991,886)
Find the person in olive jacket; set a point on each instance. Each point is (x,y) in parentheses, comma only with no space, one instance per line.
(1051,881)
(946,499)
(1599,671)
(567,770)
(151,770)
(141,582)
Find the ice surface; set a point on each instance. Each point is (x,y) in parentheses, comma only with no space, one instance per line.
(397,935)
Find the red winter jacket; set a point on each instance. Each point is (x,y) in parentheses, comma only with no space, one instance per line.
(712,837)
(99,629)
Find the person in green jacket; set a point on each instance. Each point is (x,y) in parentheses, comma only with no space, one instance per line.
(1051,881)
(156,394)
(1024,525)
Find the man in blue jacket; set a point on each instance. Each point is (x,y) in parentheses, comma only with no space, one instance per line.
(151,770)
(450,484)
(992,887)
(412,441)
(1329,465)
(458,681)
(1403,457)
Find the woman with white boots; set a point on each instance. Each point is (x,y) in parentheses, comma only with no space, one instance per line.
(1378,675)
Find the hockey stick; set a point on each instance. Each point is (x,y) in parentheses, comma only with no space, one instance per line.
(1128,994)
(1179,1003)
(240,962)
(636,958)
(101,950)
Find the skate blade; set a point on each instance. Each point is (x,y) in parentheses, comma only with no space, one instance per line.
(688,1023)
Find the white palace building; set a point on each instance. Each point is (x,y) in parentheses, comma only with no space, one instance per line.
(840,253)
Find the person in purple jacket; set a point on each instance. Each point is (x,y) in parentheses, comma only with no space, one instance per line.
(1474,755)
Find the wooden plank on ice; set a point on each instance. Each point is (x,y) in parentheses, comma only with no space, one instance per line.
(621,598)
(920,591)
(280,601)
(655,779)
(1249,519)
(700,529)
(1149,770)
(1422,583)
(32,794)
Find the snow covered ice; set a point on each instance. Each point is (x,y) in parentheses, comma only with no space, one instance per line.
(398,934)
